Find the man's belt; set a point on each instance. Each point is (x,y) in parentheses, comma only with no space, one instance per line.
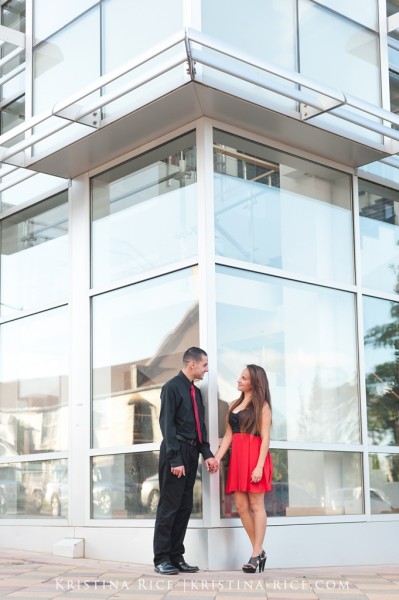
(187,440)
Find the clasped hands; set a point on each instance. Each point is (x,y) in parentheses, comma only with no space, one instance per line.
(212,465)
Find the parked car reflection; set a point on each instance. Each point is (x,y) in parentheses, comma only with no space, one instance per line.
(12,490)
(284,495)
(351,501)
(56,495)
(113,493)
(150,494)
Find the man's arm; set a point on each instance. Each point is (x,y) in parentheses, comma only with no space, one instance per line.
(168,426)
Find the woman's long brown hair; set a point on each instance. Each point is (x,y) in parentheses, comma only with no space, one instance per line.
(251,419)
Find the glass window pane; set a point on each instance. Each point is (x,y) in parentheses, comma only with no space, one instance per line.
(58,68)
(126,486)
(139,336)
(34,256)
(34,383)
(13,14)
(243,27)
(48,18)
(137,30)
(362,11)
(308,483)
(379,231)
(34,489)
(305,338)
(339,53)
(394,93)
(144,212)
(381,326)
(13,115)
(278,210)
(382,171)
(384,483)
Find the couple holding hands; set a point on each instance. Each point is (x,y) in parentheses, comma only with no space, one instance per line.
(182,421)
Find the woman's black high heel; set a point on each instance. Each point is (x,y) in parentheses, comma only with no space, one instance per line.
(254,562)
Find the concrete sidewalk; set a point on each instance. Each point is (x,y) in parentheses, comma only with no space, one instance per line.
(36,576)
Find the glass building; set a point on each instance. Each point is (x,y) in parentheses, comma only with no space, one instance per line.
(192,172)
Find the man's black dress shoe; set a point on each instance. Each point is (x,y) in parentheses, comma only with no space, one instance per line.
(184,567)
(166,568)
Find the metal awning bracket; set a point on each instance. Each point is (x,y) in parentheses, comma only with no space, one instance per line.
(71,113)
(308,112)
(18,159)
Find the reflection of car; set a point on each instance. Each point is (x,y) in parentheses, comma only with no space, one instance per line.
(283,495)
(351,500)
(57,491)
(110,493)
(35,491)
(12,490)
(150,493)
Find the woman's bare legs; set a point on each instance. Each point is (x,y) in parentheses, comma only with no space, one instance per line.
(251,510)
(257,505)
(243,507)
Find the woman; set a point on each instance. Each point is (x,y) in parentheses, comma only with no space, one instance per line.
(250,469)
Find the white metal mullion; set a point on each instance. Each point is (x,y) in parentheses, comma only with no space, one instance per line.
(360,338)
(207,301)
(79,363)
(29,67)
(383,49)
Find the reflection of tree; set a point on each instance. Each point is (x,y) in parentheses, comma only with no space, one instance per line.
(383,383)
(383,387)
(330,413)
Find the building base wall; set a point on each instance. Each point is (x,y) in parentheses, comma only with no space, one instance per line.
(310,545)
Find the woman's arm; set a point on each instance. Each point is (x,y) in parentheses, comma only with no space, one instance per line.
(225,444)
(264,447)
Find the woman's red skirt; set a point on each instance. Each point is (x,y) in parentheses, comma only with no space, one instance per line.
(243,459)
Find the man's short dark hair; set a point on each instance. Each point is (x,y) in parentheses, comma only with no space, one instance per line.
(193,353)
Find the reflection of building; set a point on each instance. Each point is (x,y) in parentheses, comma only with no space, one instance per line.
(207,182)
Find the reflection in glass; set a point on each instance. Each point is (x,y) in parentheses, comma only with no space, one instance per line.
(381,341)
(266,31)
(350,51)
(363,11)
(55,61)
(305,338)
(13,13)
(278,210)
(140,333)
(342,54)
(126,486)
(34,489)
(39,185)
(47,19)
(137,33)
(308,483)
(379,231)
(34,383)
(384,483)
(144,212)
(394,92)
(34,256)
(11,116)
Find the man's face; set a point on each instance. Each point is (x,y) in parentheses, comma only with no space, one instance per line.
(200,368)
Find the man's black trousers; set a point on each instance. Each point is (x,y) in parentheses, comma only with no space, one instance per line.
(175,504)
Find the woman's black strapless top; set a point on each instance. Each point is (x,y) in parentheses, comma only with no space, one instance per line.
(234,422)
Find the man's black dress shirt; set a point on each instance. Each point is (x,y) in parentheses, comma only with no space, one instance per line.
(177,417)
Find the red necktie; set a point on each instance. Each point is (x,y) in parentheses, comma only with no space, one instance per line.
(195,407)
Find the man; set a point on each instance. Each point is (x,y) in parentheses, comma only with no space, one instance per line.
(182,421)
